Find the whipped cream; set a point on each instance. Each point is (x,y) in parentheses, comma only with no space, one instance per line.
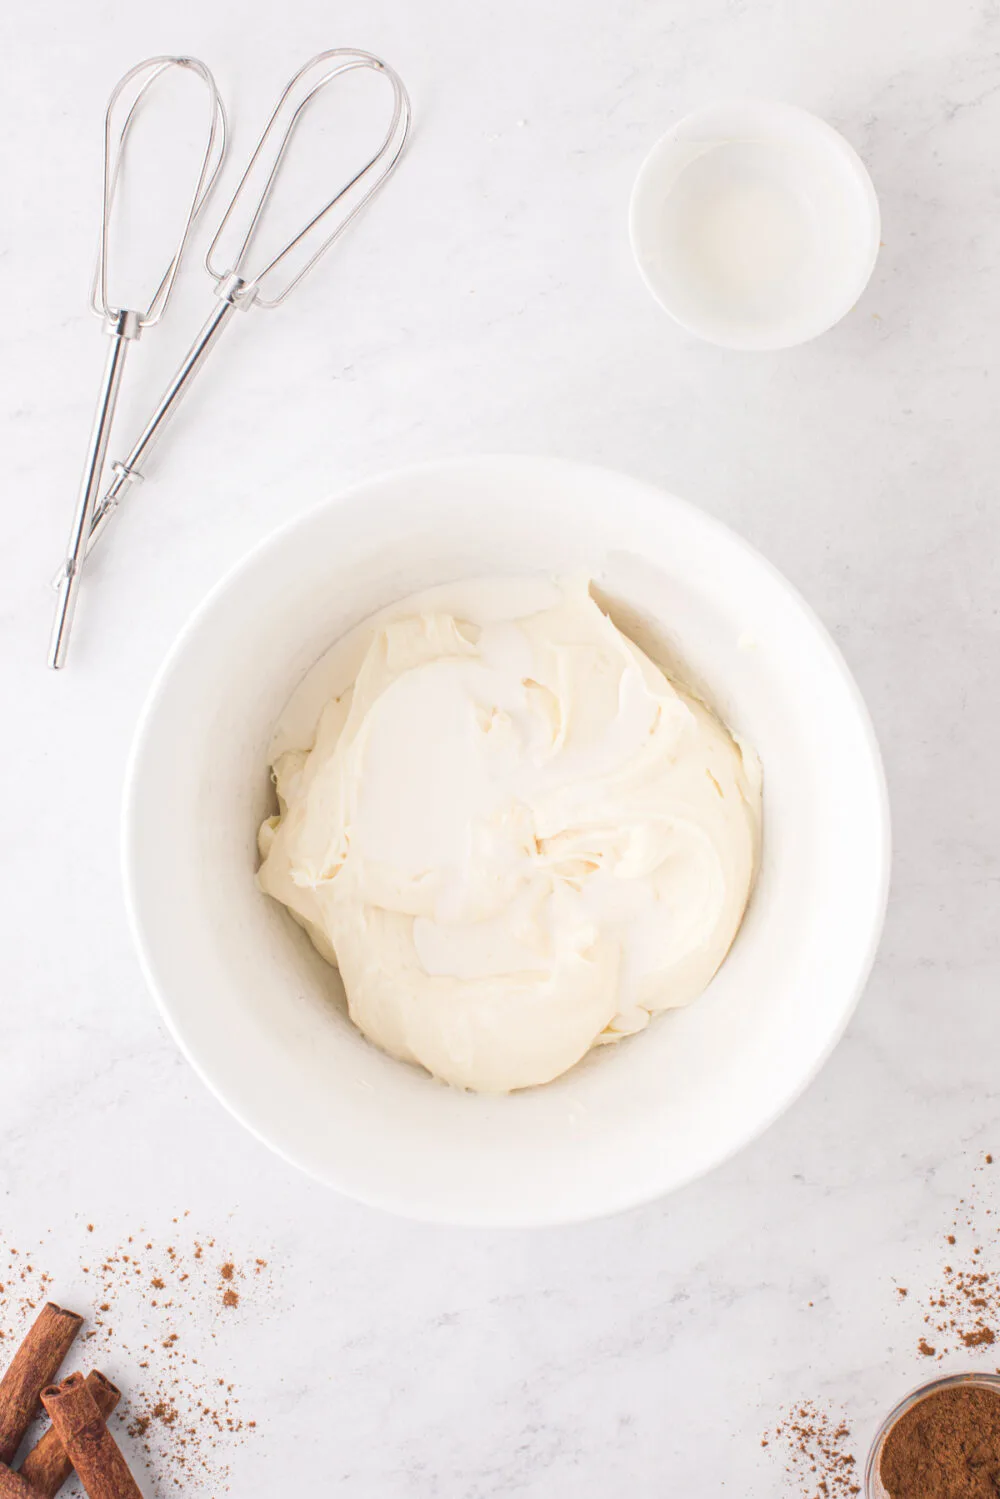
(512,834)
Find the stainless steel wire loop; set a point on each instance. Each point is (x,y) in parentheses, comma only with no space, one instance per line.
(124,325)
(367,179)
(140,81)
(238,287)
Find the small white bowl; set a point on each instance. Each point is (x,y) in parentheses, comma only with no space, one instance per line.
(754,224)
(260,1015)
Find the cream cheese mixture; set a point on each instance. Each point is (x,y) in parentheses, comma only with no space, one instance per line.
(510,832)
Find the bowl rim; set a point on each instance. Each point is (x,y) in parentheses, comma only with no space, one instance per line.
(653,1189)
(801,119)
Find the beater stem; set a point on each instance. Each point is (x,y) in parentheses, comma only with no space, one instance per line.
(123,329)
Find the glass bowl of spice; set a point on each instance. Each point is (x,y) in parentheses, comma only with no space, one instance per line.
(941,1442)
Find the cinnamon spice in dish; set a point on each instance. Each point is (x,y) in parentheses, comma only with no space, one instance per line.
(945,1446)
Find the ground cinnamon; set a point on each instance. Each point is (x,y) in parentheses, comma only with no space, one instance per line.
(817,1450)
(947,1446)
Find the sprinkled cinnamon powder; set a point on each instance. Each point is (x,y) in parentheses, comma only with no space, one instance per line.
(180,1416)
(818,1452)
(982,1337)
(963,1311)
(962,1316)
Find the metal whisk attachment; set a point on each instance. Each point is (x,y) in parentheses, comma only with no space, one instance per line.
(237,286)
(124,325)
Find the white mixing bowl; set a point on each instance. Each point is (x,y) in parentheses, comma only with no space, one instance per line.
(260,1015)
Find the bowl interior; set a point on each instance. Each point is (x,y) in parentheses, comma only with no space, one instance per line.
(755,224)
(261,1016)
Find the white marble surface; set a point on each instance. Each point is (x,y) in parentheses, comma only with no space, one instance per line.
(489,302)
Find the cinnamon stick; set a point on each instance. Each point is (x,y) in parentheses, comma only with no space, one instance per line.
(47,1467)
(35,1365)
(13,1486)
(89,1444)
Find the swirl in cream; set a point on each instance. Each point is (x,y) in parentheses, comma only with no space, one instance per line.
(513,835)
